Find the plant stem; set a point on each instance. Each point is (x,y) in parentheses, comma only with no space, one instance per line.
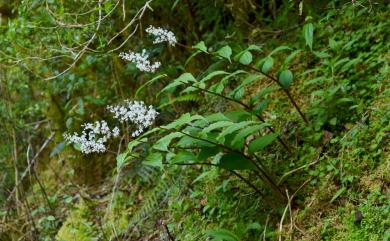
(286,91)
(232,171)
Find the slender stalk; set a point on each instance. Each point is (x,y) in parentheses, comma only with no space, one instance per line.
(16,171)
(43,191)
(286,91)
(232,171)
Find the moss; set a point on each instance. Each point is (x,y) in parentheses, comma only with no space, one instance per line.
(118,215)
(78,226)
(372,227)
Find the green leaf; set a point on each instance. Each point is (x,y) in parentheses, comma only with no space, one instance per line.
(232,128)
(184,157)
(321,55)
(77,146)
(213,74)
(222,235)
(203,175)
(235,161)
(254,47)
(286,78)
(278,49)
(238,115)
(149,132)
(135,143)
(262,93)
(308,34)
(220,85)
(50,218)
(242,134)
(259,108)
(225,52)
(94,100)
(333,44)
(338,193)
(333,121)
(290,57)
(239,93)
(69,122)
(120,160)
(217,117)
(181,80)
(353,62)
(107,6)
(186,118)
(57,149)
(192,56)
(268,63)
(246,58)
(80,103)
(206,152)
(187,141)
(253,226)
(149,83)
(249,79)
(261,142)
(216,125)
(201,46)
(154,159)
(163,143)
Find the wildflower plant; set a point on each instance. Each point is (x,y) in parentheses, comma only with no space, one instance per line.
(93,137)
(233,141)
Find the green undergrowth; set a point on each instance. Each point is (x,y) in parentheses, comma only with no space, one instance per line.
(343,159)
(336,172)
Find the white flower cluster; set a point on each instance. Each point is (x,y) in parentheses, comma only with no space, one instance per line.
(136,112)
(141,61)
(162,35)
(93,137)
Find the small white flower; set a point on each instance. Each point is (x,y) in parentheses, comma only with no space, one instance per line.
(162,35)
(115,132)
(135,112)
(93,137)
(141,61)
